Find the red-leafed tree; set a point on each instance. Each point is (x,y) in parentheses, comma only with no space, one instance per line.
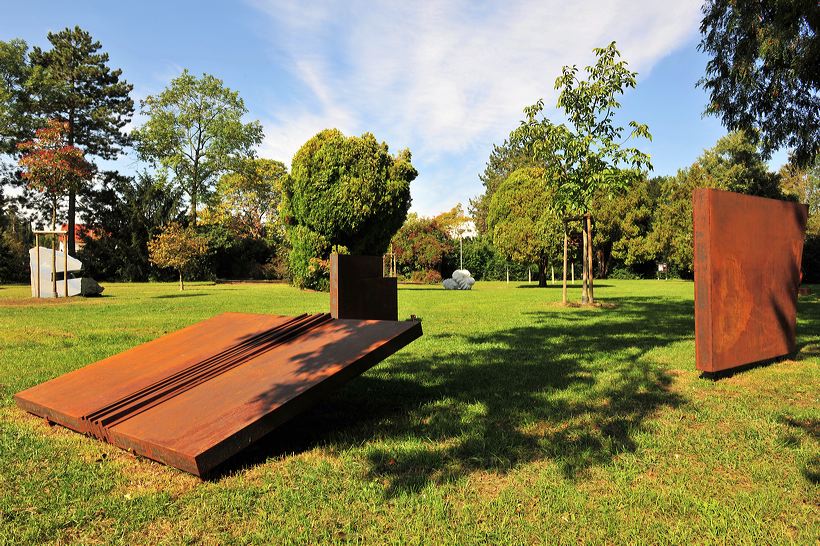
(51,165)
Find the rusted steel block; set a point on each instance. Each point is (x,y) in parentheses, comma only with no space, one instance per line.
(358,290)
(747,259)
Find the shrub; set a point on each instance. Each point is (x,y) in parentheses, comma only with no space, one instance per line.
(427,276)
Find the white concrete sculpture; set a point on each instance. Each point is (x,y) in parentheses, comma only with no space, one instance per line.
(462,280)
(46,273)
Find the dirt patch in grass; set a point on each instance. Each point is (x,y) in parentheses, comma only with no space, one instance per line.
(577,305)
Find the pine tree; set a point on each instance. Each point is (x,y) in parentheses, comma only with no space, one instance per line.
(72,82)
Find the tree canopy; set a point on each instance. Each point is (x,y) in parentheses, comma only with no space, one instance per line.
(345,192)
(586,155)
(523,222)
(71,82)
(733,164)
(248,199)
(196,133)
(178,248)
(53,166)
(503,160)
(763,74)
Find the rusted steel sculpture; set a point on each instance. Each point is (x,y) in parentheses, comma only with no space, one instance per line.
(358,289)
(748,253)
(195,397)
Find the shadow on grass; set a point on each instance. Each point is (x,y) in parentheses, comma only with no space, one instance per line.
(183,295)
(560,389)
(559,286)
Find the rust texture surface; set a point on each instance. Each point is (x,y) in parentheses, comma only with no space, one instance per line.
(197,396)
(359,290)
(747,254)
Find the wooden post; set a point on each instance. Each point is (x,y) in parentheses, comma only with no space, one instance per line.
(552,274)
(584,272)
(507,267)
(529,273)
(564,287)
(573,272)
(37,245)
(65,267)
(54,265)
(591,268)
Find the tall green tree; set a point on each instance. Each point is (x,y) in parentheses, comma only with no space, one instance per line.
(763,74)
(623,224)
(195,132)
(16,108)
(247,199)
(733,164)
(343,191)
(523,221)
(503,160)
(586,155)
(73,83)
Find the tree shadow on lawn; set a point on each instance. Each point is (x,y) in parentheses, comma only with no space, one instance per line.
(558,389)
(183,295)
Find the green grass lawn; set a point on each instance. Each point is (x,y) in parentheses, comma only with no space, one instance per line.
(513,420)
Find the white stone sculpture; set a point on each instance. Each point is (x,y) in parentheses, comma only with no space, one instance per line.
(462,280)
(45,273)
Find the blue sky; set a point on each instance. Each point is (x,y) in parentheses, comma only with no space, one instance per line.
(446,79)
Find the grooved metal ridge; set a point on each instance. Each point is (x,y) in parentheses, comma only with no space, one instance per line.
(125,408)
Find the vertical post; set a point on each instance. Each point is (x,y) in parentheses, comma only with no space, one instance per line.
(529,273)
(65,267)
(591,268)
(507,267)
(460,252)
(54,265)
(584,269)
(552,274)
(37,245)
(564,287)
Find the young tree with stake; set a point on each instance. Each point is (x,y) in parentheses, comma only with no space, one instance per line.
(586,155)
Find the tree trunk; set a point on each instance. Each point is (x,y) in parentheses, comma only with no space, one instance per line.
(181,282)
(591,288)
(564,286)
(603,263)
(584,271)
(72,205)
(542,273)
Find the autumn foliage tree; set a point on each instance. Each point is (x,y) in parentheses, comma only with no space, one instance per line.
(178,248)
(53,166)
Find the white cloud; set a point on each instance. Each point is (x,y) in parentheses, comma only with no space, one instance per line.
(446,79)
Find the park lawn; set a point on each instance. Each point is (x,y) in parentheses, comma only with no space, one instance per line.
(513,420)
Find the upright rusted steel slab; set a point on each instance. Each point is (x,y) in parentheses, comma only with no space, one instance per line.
(358,289)
(193,398)
(747,259)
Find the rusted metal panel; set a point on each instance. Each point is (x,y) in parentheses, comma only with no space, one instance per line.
(197,396)
(747,257)
(359,291)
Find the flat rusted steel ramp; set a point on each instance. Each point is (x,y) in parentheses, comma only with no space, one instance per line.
(748,253)
(199,395)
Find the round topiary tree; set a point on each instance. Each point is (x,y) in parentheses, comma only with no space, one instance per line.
(343,192)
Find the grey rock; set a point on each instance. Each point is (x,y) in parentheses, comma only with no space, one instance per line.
(89,287)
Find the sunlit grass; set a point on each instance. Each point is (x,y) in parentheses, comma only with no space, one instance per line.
(512,420)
